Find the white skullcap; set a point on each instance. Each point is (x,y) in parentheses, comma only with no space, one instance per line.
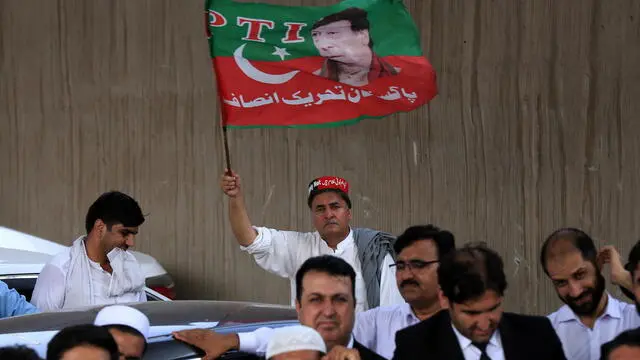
(123,315)
(295,338)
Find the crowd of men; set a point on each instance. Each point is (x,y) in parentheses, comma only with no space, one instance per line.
(359,293)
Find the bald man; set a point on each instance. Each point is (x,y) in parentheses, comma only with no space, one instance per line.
(590,316)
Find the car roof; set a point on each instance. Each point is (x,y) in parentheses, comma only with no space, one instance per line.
(36,330)
(22,253)
(160,313)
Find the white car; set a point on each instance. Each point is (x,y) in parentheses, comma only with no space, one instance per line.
(22,257)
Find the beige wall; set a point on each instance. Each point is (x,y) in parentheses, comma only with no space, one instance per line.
(535,127)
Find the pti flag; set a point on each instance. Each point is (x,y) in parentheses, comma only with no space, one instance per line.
(316,66)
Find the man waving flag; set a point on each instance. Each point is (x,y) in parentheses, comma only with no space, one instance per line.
(316,66)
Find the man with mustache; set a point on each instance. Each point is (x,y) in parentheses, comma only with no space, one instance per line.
(419,249)
(325,288)
(591,316)
(474,327)
(370,252)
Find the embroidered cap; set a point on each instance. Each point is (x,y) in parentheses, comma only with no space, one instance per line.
(123,315)
(329,183)
(295,338)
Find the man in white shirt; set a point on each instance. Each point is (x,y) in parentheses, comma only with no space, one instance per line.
(370,252)
(590,316)
(325,288)
(97,269)
(419,249)
(475,327)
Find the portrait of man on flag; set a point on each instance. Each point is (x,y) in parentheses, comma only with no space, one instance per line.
(343,39)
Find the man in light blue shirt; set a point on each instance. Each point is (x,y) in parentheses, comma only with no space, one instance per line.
(13,304)
(590,316)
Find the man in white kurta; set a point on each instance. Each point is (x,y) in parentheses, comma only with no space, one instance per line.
(282,252)
(97,269)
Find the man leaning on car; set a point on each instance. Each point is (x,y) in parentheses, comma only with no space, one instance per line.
(97,269)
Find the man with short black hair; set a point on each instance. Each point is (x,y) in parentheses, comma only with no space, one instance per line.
(419,250)
(475,327)
(343,39)
(625,346)
(325,287)
(590,316)
(19,352)
(81,342)
(369,252)
(97,269)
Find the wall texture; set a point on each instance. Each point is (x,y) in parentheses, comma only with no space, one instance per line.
(535,127)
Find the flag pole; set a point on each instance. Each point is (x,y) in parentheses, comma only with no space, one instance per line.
(226,148)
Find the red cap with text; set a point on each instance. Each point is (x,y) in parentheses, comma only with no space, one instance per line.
(329,182)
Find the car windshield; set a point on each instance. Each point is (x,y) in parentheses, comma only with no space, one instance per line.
(160,313)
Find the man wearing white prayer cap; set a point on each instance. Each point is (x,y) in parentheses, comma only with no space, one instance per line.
(128,326)
(296,343)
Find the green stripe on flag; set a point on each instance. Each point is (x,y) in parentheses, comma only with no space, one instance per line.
(391,27)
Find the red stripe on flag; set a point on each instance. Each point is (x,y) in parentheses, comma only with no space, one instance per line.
(300,101)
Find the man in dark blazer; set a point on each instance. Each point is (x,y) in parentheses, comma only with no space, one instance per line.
(325,301)
(474,327)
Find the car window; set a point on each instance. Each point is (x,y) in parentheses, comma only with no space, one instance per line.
(23,284)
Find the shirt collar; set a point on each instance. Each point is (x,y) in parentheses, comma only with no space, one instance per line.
(466,342)
(350,344)
(612,310)
(407,312)
(346,242)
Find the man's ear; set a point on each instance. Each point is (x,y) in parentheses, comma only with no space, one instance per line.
(444,301)
(298,306)
(99,227)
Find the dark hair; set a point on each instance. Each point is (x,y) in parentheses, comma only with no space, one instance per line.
(626,338)
(19,352)
(578,238)
(467,273)
(79,335)
(356,16)
(328,264)
(114,208)
(342,194)
(634,258)
(444,240)
(128,330)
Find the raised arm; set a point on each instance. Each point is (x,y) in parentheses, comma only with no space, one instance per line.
(240,223)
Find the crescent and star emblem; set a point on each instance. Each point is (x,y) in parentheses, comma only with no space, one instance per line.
(258,75)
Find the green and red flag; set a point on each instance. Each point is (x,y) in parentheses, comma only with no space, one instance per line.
(316,66)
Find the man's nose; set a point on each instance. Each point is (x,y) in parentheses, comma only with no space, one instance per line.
(328,309)
(130,241)
(484,322)
(575,289)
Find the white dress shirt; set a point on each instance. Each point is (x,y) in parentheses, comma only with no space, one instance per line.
(49,293)
(283,252)
(580,342)
(376,328)
(471,352)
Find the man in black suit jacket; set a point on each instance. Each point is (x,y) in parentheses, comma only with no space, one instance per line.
(474,327)
(325,301)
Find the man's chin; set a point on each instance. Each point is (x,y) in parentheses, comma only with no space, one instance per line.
(582,309)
